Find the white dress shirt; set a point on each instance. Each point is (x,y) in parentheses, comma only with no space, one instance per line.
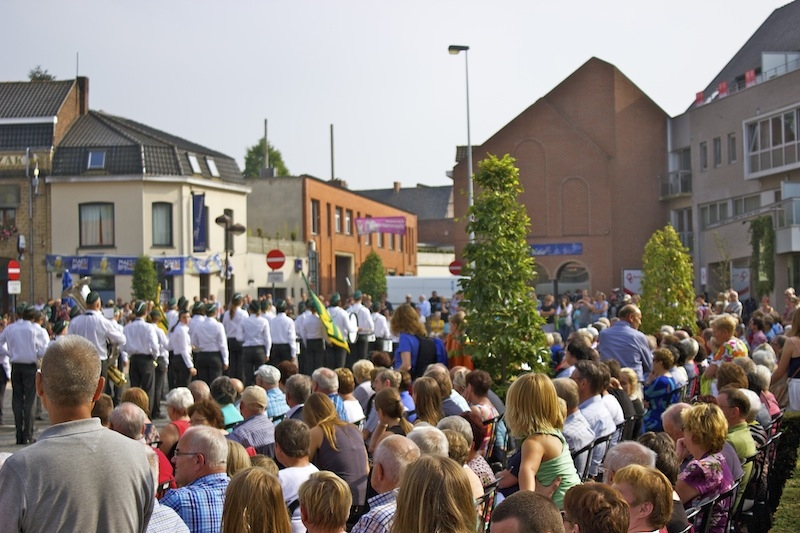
(209,336)
(98,330)
(233,326)
(283,332)
(312,328)
(340,318)
(255,331)
(365,323)
(22,342)
(381,326)
(141,338)
(181,344)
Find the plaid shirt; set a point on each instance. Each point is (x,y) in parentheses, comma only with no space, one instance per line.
(165,520)
(380,515)
(200,502)
(276,403)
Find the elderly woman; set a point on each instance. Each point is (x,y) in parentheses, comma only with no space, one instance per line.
(224,393)
(347,384)
(728,347)
(476,393)
(758,382)
(179,400)
(139,397)
(659,388)
(707,474)
(207,413)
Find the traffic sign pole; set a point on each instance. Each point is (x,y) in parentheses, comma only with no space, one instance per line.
(275,260)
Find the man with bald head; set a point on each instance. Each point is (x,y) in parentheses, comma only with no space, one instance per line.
(391,457)
(53,484)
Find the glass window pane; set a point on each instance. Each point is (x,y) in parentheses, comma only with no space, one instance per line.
(752,138)
(764,134)
(777,131)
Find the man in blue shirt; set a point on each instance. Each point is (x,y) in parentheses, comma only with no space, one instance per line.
(626,344)
(199,461)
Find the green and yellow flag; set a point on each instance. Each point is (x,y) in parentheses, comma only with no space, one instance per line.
(332,331)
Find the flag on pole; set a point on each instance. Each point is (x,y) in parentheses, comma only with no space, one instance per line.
(332,331)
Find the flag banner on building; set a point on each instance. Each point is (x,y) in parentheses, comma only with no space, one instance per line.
(108,265)
(332,331)
(750,78)
(699,98)
(199,237)
(396,225)
(722,88)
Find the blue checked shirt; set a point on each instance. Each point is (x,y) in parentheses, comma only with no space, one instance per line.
(276,403)
(200,502)
(165,520)
(380,515)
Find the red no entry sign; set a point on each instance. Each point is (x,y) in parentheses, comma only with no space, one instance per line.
(455,268)
(13,270)
(275,259)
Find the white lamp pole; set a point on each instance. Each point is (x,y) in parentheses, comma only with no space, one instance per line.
(455,49)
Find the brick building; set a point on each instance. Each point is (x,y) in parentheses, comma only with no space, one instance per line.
(34,118)
(590,155)
(322,214)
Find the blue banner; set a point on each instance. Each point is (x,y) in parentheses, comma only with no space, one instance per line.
(199,237)
(564,248)
(109,265)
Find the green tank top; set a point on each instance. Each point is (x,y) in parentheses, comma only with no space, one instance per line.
(561,465)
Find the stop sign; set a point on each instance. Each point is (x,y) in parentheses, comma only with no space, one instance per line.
(13,270)
(275,259)
(455,268)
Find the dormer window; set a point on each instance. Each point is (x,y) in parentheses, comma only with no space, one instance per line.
(212,166)
(194,164)
(96,160)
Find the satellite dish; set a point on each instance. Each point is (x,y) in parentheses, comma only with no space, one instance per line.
(353,335)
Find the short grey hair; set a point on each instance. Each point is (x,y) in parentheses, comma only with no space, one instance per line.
(326,380)
(764,355)
(430,440)
(180,399)
(755,405)
(210,442)
(629,453)
(298,388)
(458,424)
(394,453)
(761,377)
(673,413)
(70,371)
(128,419)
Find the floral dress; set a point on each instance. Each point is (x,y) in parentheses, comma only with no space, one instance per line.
(709,476)
(659,396)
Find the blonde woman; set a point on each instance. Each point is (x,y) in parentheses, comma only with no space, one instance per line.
(406,325)
(629,382)
(254,504)
(336,445)
(434,496)
(533,416)
(238,459)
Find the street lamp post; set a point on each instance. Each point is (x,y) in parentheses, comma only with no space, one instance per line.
(226,222)
(455,49)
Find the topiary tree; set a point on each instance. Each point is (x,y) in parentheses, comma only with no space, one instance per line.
(762,260)
(667,283)
(505,330)
(145,280)
(372,276)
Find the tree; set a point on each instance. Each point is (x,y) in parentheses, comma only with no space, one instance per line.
(505,330)
(762,261)
(254,161)
(40,74)
(145,279)
(372,276)
(667,283)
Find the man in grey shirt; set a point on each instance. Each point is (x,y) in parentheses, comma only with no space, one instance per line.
(60,482)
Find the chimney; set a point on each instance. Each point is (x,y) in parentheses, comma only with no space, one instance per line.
(397,185)
(83,94)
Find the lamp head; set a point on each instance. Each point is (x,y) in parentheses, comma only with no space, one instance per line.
(456,48)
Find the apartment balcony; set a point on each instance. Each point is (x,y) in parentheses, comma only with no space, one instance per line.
(787,226)
(676,183)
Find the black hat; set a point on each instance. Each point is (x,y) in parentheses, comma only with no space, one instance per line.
(60,326)
(335,298)
(92,297)
(172,302)
(237,297)
(74,311)
(254,306)
(140,308)
(280,305)
(211,309)
(182,303)
(20,310)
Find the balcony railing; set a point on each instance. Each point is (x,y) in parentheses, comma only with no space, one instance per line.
(676,183)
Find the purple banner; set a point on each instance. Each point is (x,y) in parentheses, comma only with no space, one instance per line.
(396,225)
(199,237)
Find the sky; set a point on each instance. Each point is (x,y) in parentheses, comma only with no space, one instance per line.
(378,70)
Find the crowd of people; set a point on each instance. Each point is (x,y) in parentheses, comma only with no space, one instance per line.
(248,418)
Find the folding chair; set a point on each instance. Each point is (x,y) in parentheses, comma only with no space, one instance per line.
(583,468)
(485,504)
(492,423)
(701,520)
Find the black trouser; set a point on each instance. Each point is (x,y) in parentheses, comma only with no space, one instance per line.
(335,357)
(235,367)
(178,372)
(160,382)
(23,383)
(3,383)
(208,365)
(280,352)
(313,356)
(359,350)
(143,375)
(252,358)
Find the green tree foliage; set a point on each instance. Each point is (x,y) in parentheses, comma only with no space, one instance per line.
(504,327)
(667,283)
(254,161)
(40,74)
(145,279)
(372,276)
(762,262)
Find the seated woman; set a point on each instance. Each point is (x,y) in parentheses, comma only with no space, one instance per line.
(629,382)
(390,416)
(434,495)
(207,413)
(347,385)
(427,400)
(475,461)
(476,393)
(139,397)
(644,485)
(254,503)
(458,451)
(707,474)
(534,417)
(178,402)
(658,390)
(595,508)
(577,350)
(338,447)
(224,393)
